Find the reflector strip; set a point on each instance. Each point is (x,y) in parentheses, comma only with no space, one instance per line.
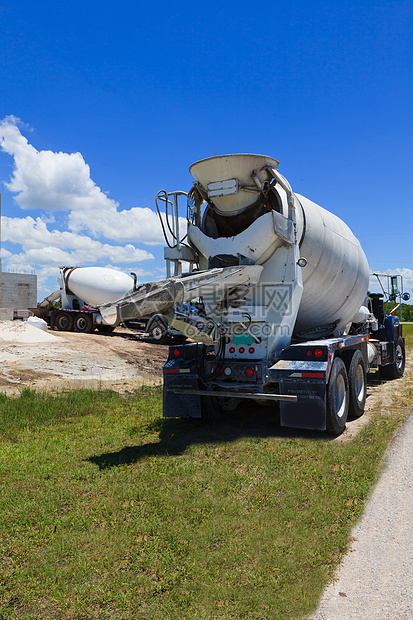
(176,371)
(330,365)
(317,375)
(308,375)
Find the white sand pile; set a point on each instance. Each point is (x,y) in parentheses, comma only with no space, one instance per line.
(21,331)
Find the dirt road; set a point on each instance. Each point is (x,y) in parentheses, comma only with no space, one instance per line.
(121,361)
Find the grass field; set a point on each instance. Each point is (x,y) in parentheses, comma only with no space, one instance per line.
(108,511)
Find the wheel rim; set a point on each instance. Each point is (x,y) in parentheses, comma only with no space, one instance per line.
(360,384)
(399,357)
(157,333)
(63,322)
(81,323)
(340,396)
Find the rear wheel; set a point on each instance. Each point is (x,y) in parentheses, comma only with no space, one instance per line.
(356,372)
(83,323)
(395,370)
(64,322)
(337,398)
(159,333)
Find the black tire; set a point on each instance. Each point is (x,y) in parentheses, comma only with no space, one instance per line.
(395,370)
(357,382)
(84,323)
(159,333)
(64,322)
(337,398)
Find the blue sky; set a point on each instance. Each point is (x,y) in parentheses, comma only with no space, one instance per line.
(104,104)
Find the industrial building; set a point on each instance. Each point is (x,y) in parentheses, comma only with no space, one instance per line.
(18,292)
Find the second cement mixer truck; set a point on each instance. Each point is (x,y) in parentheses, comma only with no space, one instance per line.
(80,291)
(281,286)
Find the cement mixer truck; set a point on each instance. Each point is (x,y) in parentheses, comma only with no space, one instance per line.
(281,286)
(81,290)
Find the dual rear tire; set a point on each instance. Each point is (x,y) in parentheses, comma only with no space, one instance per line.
(346,391)
(68,321)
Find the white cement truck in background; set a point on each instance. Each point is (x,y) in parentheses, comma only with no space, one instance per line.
(81,290)
(281,286)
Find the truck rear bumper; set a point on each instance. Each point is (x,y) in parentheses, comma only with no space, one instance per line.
(239,395)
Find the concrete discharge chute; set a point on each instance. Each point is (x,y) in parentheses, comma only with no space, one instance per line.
(155,297)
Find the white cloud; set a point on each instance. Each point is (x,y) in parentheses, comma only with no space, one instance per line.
(44,247)
(404,272)
(97,230)
(60,182)
(48,180)
(52,182)
(136,224)
(33,233)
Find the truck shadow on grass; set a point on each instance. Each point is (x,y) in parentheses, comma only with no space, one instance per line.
(176,435)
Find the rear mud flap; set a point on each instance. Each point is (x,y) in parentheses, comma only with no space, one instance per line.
(180,405)
(309,411)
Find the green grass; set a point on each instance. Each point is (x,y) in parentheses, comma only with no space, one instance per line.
(408,335)
(108,511)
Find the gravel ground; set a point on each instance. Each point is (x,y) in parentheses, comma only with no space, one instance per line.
(375,579)
(121,360)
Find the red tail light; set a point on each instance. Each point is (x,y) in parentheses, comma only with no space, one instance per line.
(249,372)
(315,352)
